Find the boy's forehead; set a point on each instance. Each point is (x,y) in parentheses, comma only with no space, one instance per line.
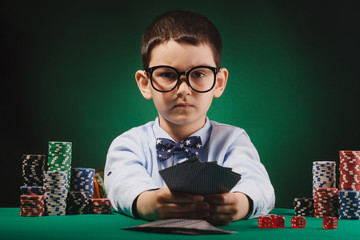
(179,54)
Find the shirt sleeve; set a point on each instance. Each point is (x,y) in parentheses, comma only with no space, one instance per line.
(125,170)
(240,154)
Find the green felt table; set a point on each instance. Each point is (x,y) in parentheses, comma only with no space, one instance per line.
(91,226)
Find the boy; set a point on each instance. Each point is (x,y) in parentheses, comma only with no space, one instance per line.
(181,56)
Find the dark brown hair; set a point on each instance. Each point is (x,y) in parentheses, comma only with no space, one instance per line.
(183,27)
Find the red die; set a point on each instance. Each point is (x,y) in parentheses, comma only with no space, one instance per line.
(278,222)
(330,222)
(265,222)
(298,222)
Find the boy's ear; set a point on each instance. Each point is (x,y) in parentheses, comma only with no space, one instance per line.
(221,80)
(143,83)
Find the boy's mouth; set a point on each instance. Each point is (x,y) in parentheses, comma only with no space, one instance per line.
(183,105)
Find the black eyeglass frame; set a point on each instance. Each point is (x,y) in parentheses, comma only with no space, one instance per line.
(152,69)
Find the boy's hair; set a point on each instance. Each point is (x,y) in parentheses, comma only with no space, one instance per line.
(183,27)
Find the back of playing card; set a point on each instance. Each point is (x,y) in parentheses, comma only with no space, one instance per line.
(193,176)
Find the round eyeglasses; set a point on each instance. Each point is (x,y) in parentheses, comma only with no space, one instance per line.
(200,79)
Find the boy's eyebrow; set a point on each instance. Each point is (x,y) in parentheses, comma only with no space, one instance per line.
(188,68)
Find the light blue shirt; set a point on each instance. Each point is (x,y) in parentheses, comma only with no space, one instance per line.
(132,166)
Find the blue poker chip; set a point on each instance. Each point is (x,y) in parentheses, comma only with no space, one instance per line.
(349,204)
(32,190)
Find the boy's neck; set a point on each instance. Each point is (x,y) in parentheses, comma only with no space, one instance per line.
(180,132)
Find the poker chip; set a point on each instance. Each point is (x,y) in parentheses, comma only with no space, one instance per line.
(77,203)
(32,190)
(349,170)
(33,169)
(326,202)
(32,205)
(349,204)
(100,206)
(82,179)
(55,186)
(324,174)
(59,157)
(303,206)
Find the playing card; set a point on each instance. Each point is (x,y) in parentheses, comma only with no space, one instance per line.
(180,226)
(193,176)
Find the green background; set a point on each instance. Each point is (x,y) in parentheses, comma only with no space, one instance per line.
(67,73)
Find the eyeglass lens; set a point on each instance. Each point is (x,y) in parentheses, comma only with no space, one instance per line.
(200,79)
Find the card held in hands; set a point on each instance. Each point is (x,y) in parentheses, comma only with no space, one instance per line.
(196,177)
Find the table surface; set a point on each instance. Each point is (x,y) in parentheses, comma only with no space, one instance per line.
(97,226)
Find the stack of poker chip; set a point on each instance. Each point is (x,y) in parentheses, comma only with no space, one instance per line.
(324,174)
(82,179)
(100,206)
(32,205)
(77,203)
(32,190)
(304,206)
(349,205)
(33,169)
(326,202)
(55,186)
(59,157)
(349,170)
(81,189)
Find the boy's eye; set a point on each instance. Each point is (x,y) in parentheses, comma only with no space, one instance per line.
(171,75)
(197,74)
(165,73)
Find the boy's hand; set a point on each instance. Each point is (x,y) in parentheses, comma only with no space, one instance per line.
(227,207)
(162,204)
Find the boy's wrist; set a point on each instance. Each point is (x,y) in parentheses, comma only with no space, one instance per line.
(251,207)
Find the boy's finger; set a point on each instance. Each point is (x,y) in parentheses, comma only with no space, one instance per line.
(177,197)
(223,198)
(185,208)
(223,209)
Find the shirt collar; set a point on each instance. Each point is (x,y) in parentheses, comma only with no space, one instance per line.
(203,133)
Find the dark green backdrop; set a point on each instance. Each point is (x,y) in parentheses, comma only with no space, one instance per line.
(67,73)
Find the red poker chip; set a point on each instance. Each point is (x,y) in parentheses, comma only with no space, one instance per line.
(348,185)
(32,197)
(349,153)
(31,201)
(31,208)
(325,209)
(318,206)
(324,197)
(327,202)
(350,170)
(100,202)
(330,194)
(326,190)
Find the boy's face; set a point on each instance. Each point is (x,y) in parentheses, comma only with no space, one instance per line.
(182,106)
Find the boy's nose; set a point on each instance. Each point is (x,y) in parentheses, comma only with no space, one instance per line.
(183,88)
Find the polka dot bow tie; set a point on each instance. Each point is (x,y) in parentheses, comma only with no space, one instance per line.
(190,146)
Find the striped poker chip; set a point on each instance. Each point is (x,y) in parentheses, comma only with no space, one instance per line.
(55,185)
(349,204)
(326,202)
(32,169)
(100,206)
(32,205)
(32,190)
(59,148)
(324,174)
(82,179)
(303,206)
(59,157)
(349,170)
(77,203)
